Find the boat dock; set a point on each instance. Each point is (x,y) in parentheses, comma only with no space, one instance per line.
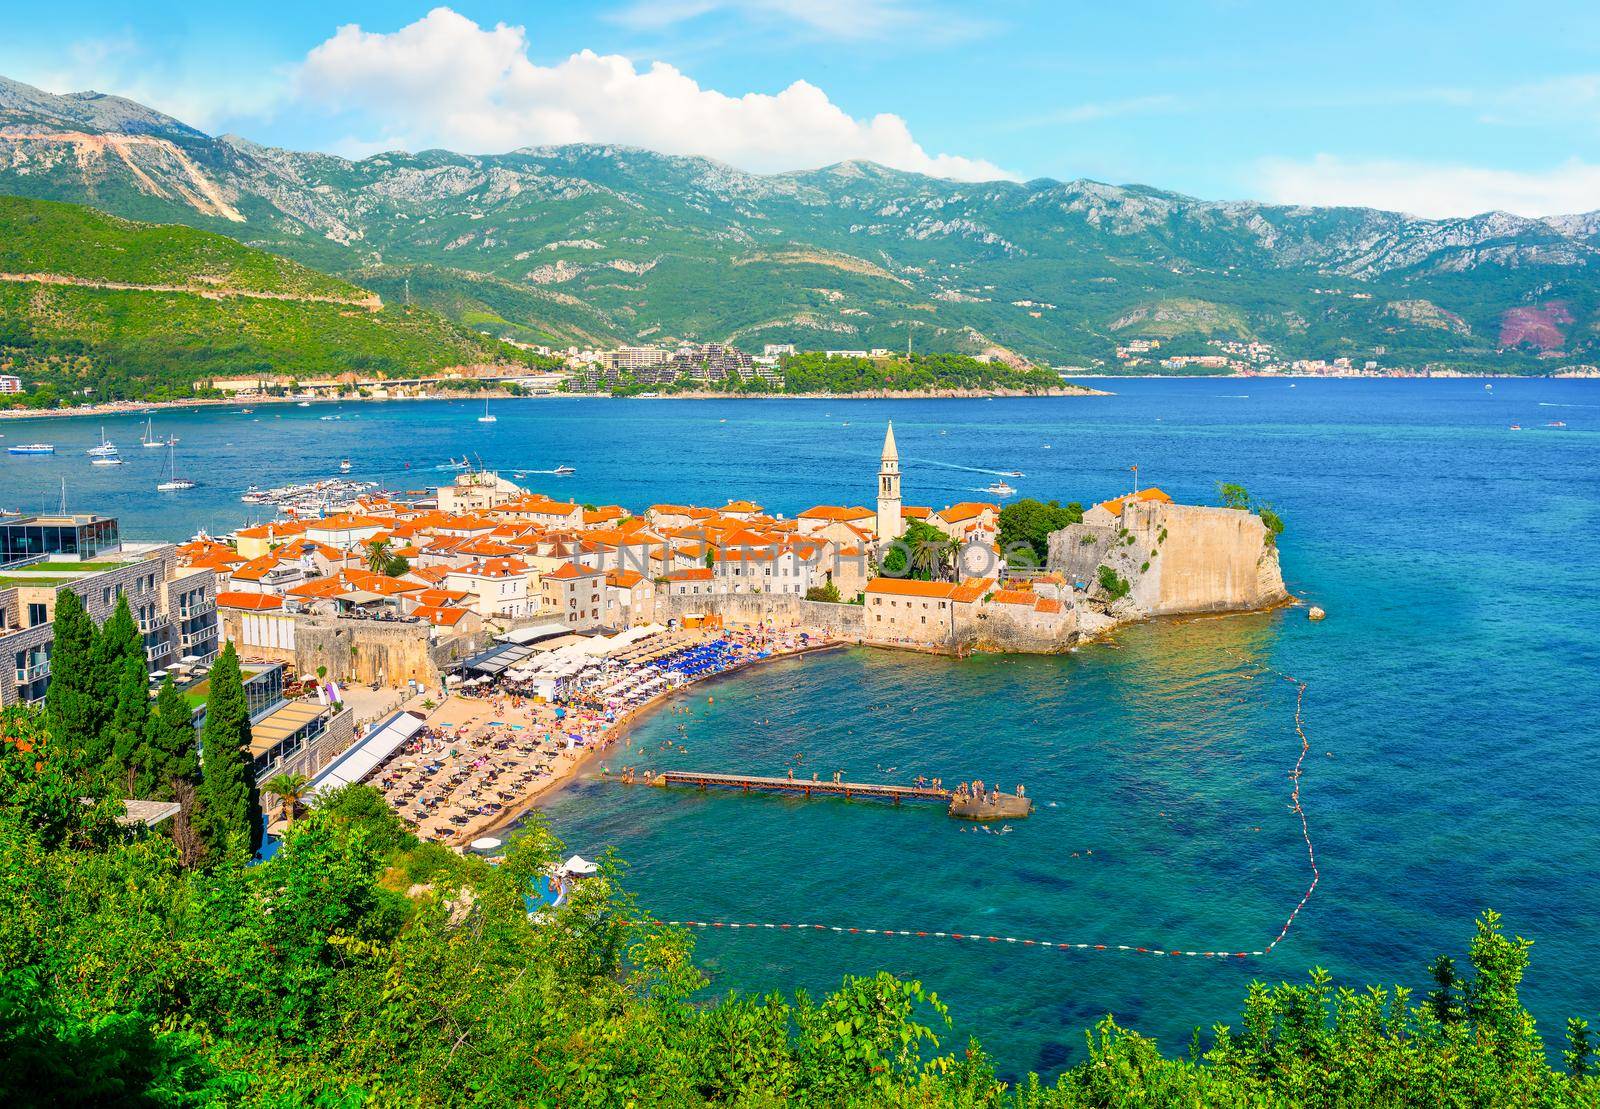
(993,805)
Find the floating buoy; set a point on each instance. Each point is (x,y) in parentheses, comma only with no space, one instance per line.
(1316,613)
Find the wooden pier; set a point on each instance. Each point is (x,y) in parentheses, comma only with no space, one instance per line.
(993,806)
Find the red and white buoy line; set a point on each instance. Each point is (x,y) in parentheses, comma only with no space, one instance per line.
(1056,945)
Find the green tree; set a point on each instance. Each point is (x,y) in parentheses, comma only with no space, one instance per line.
(230,808)
(1115,585)
(290,790)
(129,729)
(1025,528)
(922,553)
(72,702)
(826,592)
(1234,496)
(172,754)
(117,665)
(381,558)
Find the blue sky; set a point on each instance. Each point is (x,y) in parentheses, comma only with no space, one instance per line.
(1433,108)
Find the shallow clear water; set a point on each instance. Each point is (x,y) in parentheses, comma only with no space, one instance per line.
(1452,690)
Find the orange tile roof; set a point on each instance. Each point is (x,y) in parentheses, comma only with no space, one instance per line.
(916,512)
(1013,597)
(440,617)
(493,568)
(907,587)
(625,579)
(837,512)
(345,521)
(318,588)
(741,506)
(1047,604)
(281,529)
(971,589)
(436,597)
(254,601)
(570,570)
(966,510)
(218,561)
(257,568)
(1151,494)
(699,574)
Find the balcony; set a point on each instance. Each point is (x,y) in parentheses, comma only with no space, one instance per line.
(26,675)
(160,650)
(154,624)
(194,639)
(199,608)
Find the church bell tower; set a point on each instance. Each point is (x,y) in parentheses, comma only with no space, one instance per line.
(891,525)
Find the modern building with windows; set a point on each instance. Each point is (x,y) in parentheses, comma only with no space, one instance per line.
(174,607)
(78,538)
(285,735)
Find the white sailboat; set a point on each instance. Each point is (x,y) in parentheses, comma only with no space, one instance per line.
(150,438)
(487,417)
(173,482)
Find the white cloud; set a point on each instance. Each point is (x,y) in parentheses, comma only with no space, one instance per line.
(445,81)
(1427,189)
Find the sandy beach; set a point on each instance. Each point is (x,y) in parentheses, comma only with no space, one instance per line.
(484,759)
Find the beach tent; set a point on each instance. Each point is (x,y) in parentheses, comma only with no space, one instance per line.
(578,867)
(496,659)
(365,754)
(533,633)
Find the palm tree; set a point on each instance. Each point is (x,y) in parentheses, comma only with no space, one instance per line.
(289,789)
(379,555)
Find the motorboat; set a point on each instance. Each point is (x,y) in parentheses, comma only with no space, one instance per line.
(1010,473)
(999,489)
(106,449)
(31,448)
(304,404)
(344,465)
(563,470)
(112,459)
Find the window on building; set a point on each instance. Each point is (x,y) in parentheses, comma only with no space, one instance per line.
(37,614)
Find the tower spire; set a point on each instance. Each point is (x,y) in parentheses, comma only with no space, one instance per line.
(891,522)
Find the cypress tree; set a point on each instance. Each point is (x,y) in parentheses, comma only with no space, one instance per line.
(119,672)
(171,754)
(230,807)
(129,728)
(71,705)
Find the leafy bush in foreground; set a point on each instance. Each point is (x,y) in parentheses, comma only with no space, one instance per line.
(358,967)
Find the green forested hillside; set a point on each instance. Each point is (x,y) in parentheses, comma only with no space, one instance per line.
(252,312)
(582,242)
(44,237)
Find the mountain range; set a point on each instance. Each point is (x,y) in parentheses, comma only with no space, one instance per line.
(590,244)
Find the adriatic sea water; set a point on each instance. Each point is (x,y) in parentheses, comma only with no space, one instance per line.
(1453,689)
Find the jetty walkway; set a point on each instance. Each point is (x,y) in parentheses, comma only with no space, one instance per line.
(960,804)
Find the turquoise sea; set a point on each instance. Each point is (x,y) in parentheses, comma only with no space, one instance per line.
(1452,690)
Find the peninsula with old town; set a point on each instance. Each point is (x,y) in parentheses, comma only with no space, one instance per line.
(472,647)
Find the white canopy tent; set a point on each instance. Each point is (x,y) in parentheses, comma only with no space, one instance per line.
(365,754)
